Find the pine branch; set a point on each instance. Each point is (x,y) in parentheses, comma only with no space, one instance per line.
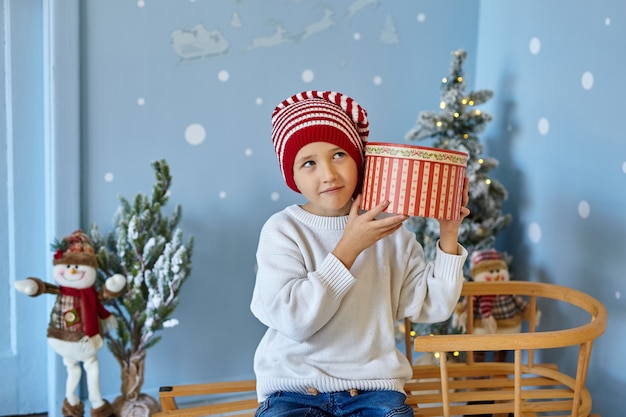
(148,249)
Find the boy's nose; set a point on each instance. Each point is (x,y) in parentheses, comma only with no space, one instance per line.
(328,172)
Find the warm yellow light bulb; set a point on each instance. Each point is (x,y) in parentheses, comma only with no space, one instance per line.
(459,79)
(442,105)
(481,160)
(456,114)
(464,101)
(437,355)
(444,80)
(471,103)
(439,124)
(412,333)
(477,113)
(465,136)
(487,181)
(456,353)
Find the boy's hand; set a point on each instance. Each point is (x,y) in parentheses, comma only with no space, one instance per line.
(363,230)
(449,229)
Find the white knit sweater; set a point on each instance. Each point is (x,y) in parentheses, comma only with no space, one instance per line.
(331,328)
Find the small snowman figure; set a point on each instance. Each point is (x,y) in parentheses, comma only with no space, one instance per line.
(74,329)
(500,314)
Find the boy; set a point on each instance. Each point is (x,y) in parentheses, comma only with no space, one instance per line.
(332,281)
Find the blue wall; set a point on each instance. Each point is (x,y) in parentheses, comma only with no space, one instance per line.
(558,136)
(195,82)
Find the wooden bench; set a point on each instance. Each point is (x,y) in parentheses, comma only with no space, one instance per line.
(522,388)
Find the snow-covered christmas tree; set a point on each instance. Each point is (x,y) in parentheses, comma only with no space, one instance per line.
(456,127)
(147,248)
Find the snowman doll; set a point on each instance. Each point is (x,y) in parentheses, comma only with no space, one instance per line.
(499,314)
(74,330)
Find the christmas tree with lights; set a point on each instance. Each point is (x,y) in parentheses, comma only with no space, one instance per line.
(456,127)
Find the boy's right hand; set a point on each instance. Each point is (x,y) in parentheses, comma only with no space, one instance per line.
(363,230)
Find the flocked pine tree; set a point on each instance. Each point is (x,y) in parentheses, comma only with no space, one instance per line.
(456,127)
(147,248)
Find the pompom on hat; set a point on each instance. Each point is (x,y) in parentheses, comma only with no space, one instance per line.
(75,249)
(483,260)
(318,116)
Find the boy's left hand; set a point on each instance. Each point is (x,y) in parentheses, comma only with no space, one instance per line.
(449,229)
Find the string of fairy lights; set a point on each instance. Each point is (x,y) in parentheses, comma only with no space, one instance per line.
(437,355)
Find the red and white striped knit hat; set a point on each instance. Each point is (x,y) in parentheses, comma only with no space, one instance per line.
(318,116)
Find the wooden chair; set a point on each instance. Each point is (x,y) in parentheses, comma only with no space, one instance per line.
(523,388)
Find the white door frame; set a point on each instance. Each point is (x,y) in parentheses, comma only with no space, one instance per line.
(62,137)
(40,127)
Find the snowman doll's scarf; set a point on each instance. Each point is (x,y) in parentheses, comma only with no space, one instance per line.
(91,306)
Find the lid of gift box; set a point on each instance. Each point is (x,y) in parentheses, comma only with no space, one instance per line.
(394,150)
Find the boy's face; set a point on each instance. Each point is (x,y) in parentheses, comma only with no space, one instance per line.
(327,177)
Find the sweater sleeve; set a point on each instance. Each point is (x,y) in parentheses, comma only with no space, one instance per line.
(294,294)
(432,290)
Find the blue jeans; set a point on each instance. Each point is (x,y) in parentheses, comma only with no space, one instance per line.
(335,404)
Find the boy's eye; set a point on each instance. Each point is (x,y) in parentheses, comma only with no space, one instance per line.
(308,164)
(338,155)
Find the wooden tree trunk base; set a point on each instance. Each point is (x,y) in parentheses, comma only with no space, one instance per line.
(142,406)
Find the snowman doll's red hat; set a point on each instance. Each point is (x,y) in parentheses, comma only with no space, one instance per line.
(75,249)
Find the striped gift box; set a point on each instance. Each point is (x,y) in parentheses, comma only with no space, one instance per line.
(418,181)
